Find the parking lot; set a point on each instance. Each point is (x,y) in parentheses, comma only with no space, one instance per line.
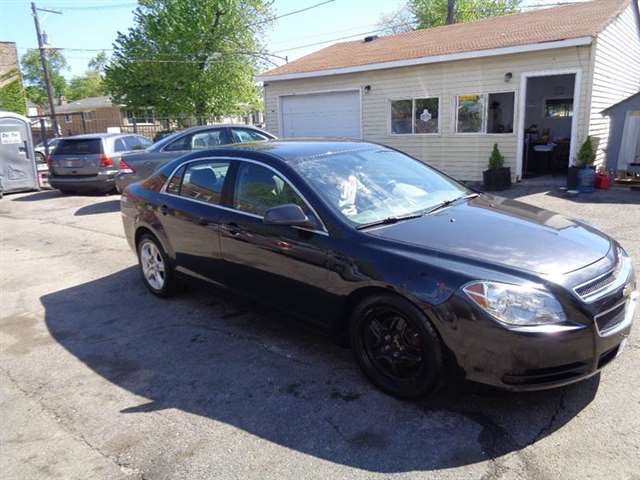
(102,380)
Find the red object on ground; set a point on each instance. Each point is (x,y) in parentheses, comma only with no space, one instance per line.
(602,181)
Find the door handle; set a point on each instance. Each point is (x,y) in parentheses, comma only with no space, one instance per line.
(164,210)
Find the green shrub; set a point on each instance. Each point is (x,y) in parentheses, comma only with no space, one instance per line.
(586,154)
(496,160)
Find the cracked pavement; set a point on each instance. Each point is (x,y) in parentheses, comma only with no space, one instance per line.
(101,380)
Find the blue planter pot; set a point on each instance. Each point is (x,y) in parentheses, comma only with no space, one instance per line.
(586,179)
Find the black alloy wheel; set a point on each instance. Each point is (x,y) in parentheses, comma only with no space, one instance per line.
(396,346)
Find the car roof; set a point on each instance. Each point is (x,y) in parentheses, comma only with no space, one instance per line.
(292,151)
(289,152)
(179,133)
(98,136)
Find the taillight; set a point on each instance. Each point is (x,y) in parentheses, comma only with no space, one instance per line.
(105,161)
(50,162)
(124,167)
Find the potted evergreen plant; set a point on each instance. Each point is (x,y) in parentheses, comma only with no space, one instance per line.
(587,173)
(497,177)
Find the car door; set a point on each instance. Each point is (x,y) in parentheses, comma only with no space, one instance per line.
(284,265)
(191,217)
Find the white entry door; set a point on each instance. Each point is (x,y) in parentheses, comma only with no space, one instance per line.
(630,145)
(334,114)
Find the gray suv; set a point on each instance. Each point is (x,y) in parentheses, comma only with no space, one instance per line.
(140,165)
(90,163)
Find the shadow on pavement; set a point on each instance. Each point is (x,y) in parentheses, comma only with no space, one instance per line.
(36,197)
(210,354)
(109,206)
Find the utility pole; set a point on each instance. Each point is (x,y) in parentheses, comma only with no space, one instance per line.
(451,7)
(45,67)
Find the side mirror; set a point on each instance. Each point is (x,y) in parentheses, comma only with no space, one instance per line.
(289,214)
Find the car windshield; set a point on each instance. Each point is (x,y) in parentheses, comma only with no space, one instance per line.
(369,186)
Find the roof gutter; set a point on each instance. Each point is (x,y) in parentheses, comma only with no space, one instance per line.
(532,47)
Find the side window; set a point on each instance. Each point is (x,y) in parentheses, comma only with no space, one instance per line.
(204,181)
(120,146)
(257,189)
(145,142)
(174,184)
(207,139)
(182,143)
(244,135)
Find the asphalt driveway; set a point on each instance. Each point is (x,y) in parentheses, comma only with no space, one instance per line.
(102,380)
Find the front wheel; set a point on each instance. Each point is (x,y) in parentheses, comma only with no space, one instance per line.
(396,346)
(155,267)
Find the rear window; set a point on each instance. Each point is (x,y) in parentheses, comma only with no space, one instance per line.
(79,147)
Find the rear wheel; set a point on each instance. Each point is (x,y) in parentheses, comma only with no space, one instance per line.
(396,346)
(66,191)
(155,267)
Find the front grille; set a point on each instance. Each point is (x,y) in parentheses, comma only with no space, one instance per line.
(610,319)
(596,285)
(604,284)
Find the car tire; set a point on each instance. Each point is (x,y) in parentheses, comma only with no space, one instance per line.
(396,346)
(66,191)
(40,158)
(155,267)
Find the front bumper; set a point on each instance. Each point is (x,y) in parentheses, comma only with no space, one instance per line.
(491,353)
(102,182)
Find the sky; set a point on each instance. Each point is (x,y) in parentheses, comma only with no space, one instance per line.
(93,24)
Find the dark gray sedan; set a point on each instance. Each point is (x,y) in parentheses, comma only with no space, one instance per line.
(137,166)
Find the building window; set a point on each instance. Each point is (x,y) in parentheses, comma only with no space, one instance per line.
(90,116)
(419,115)
(558,107)
(485,113)
(470,110)
(67,119)
(500,112)
(401,112)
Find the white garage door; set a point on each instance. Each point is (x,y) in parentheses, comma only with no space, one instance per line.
(335,114)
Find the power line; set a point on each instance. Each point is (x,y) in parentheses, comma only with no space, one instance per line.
(293,12)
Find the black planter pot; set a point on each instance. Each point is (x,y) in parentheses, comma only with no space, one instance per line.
(497,179)
(572,178)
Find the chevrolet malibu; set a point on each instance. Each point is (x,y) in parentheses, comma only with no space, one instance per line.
(426,277)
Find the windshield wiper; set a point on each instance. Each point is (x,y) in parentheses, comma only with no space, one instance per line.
(446,203)
(390,220)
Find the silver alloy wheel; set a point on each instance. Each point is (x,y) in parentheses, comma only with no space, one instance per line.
(152,264)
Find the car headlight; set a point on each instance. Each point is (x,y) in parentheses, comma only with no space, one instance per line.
(515,305)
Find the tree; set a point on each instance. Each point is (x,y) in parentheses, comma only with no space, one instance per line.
(34,77)
(195,57)
(399,20)
(433,13)
(90,84)
(99,63)
(12,95)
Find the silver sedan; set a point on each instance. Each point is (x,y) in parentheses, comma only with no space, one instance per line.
(136,166)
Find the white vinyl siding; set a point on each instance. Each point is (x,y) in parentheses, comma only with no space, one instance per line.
(616,74)
(462,156)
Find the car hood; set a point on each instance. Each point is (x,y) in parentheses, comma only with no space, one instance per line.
(504,232)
